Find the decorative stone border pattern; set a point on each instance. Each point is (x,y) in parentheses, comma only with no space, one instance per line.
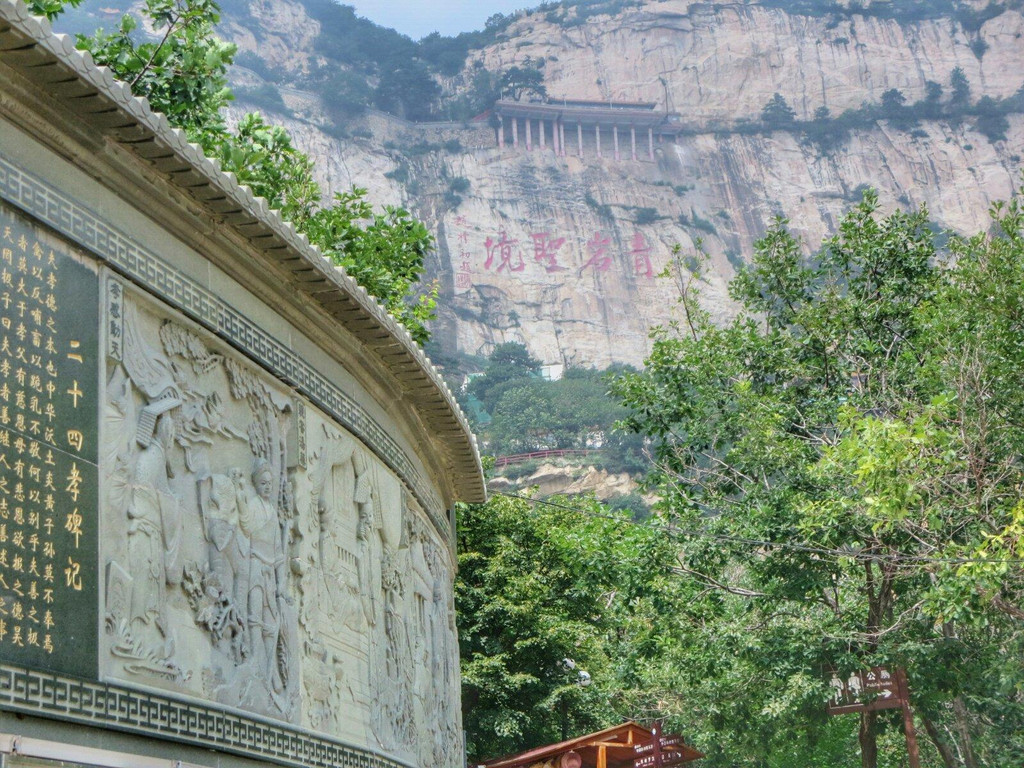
(109,706)
(84,227)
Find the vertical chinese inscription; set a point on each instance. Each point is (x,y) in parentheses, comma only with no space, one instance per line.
(48,451)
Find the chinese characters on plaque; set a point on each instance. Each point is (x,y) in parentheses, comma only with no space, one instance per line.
(48,451)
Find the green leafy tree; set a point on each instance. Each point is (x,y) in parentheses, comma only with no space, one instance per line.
(517,82)
(523,420)
(383,251)
(961,88)
(183,73)
(262,156)
(538,585)
(350,95)
(510,364)
(829,458)
(447,54)
(894,108)
(991,119)
(893,101)
(931,106)
(777,112)
(407,90)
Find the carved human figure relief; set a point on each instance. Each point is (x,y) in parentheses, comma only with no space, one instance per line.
(226,588)
(259,556)
(200,508)
(395,724)
(368,542)
(265,597)
(142,404)
(154,536)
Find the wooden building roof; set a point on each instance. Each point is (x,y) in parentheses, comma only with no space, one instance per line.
(628,745)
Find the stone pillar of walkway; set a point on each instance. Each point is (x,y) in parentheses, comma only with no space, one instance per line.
(561,136)
(615,140)
(650,143)
(529,136)
(501,133)
(556,143)
(541,131)
(632,142)
(579,137)
(515,131)
(597,138)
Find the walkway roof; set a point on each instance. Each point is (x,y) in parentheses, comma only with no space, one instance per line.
(624,117)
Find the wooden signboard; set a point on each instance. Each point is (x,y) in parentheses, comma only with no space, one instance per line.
(660,752)
(875,689)
(865,691)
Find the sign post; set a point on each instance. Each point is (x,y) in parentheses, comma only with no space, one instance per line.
(886,691)
(908,721)
(661,751)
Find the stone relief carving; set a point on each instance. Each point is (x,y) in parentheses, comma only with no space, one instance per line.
(204,536)
(261,557)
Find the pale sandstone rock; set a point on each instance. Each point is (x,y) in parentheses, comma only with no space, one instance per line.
(714,63)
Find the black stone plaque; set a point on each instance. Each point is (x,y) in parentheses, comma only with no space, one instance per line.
(49,407)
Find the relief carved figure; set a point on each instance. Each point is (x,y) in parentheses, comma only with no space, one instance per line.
(301,584)
(266,597)
(396,721)
(368,541)
(203,555)
(154,534)
(227,580)
(341,580)
(154,524)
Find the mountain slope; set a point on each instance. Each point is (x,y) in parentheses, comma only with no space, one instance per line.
(574,242)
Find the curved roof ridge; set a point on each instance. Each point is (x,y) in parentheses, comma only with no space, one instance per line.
(138,126)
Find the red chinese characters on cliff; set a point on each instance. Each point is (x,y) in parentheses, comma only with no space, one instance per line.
(545,250)
(463,274)
(503,253)
(597,248)
(641,253)
(507,253)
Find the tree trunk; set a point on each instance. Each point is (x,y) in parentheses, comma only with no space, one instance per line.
(960,712)
(868,740)
(960,715)
(948,758)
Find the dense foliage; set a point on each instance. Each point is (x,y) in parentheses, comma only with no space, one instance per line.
(526,412)
(539,584)
(969,15)
(183,73)
(842,463)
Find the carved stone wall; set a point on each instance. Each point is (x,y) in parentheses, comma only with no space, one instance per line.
(257,555)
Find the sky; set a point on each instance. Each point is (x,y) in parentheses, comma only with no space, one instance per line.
(418,18)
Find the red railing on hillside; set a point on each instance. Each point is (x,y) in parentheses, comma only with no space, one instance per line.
(503,461)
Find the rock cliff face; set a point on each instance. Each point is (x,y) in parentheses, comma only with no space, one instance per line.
(563,253)
(723,61)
